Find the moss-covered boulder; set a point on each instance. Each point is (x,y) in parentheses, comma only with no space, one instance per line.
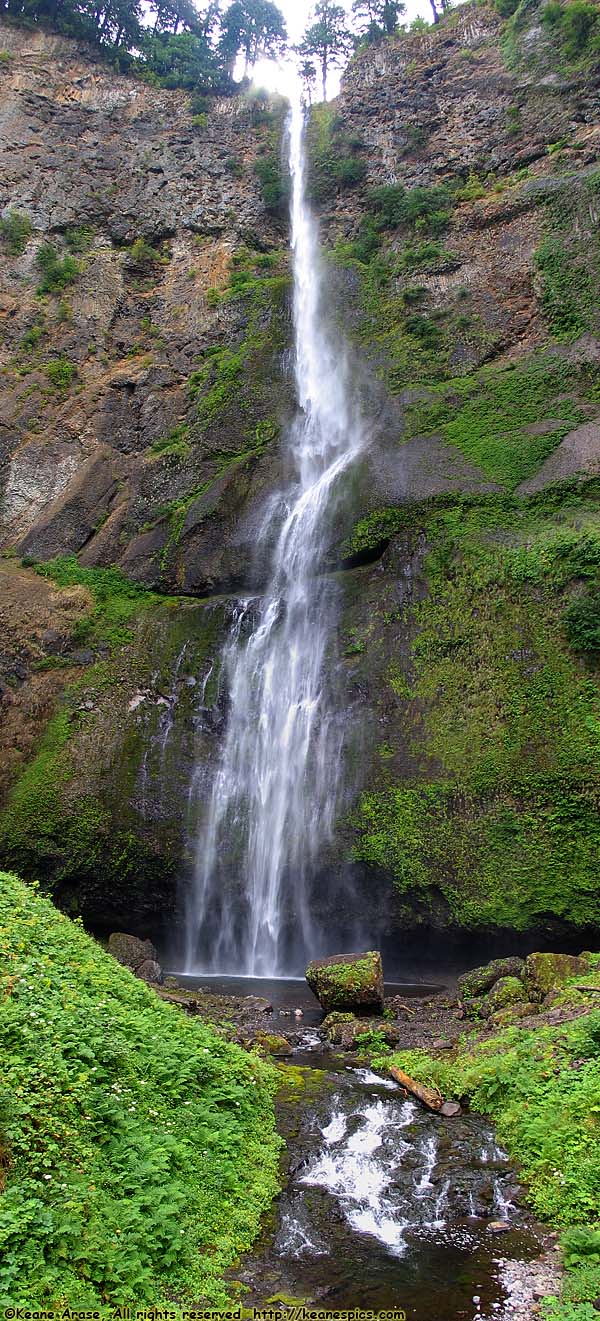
(271,1043)
(348,1032)
(348,981)
(480,980)
(513,1013)
(506,991)
(546,972)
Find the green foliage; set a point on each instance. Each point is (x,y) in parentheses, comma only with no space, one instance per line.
(144,257)
(274,183)
(577,24)
(426,210)
(176,444)
(334,159)
(502,817)
(56,272)
(582,622)
(60,373)
(486,415)
(141,1147)
(547,1112)
(15,231)
(116,599)
(569,277)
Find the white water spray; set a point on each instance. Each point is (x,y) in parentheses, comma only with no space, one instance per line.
(273,798)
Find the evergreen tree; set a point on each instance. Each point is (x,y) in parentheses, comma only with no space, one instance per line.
(377,18)
(327,39)
(253,28)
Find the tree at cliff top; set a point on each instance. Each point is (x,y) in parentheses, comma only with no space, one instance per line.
(253,28)
(327,39)
(178,44)
(377,19)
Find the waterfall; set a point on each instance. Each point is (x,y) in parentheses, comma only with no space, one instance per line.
(274,793)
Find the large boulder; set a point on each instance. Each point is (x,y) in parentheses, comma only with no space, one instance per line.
(130,950)
(480,980)
(548,972)
(150,971)
(348,981)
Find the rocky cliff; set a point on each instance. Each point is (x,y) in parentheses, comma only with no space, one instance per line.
(144,297)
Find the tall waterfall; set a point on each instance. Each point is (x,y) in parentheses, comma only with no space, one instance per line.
(273,797)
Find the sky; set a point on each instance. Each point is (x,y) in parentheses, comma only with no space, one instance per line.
(297,15)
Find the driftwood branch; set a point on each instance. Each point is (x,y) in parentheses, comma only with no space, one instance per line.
(428,1096)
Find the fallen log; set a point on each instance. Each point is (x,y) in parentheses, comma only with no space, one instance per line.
(428,1096)
(593,990)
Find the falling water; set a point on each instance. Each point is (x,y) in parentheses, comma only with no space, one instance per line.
(273,797)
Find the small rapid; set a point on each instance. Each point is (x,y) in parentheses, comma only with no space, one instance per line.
(389,1206)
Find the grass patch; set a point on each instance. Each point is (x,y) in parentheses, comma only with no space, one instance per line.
(140,1147)
(15,232)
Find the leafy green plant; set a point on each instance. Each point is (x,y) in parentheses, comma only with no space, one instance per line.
(56,272)
(60,373)
(582,622)
(15,231)
(141,1147)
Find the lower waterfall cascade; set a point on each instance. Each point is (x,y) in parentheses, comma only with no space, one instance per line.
(274,794)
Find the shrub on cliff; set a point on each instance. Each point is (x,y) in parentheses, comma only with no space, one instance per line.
(138,1148)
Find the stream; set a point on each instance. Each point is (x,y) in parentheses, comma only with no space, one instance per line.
(384,1204)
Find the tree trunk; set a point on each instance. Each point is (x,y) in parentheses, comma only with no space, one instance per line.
(426,1095)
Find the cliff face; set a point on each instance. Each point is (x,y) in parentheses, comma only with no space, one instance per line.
(145,389)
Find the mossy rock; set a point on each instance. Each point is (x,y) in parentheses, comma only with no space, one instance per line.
(348,981)
(478,1007)
(506,991)
(272,1044)
(546,972)
(513,1013)
(480,980)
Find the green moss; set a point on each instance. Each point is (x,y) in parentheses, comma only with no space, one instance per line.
(334,156)
(568,261)
(116,599)
(176,444)
(486,414)
(141,1148)
(60,373)
(502,818)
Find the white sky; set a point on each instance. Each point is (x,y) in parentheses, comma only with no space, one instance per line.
(297,14)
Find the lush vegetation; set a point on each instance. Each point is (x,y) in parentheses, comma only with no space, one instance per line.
(541,1087)
(138,1148)
(499,713)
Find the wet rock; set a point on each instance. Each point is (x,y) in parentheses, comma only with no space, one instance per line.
(256,1004)
(272,1044)
(451,1109)
(348,981)
(499,1227)
(130,950)
(507,991)
(480,980)
(546,972)
(346,1031)
(513,1014)
(150,971)
(478,1007)
(442,1044)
